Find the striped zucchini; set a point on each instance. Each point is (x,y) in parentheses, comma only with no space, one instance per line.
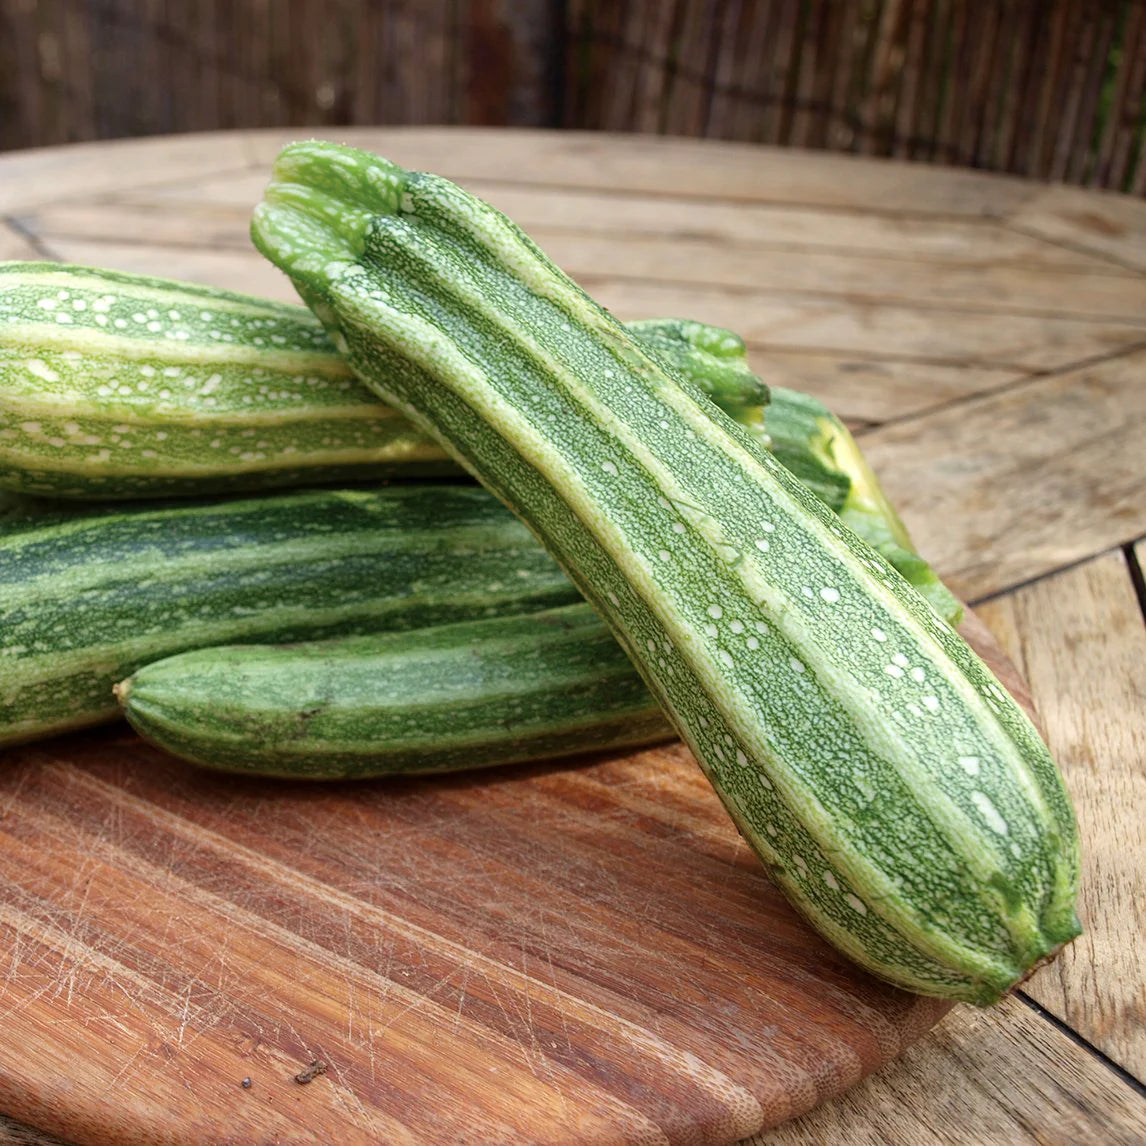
(88,599)
(467,695)
(899,796)
(117,385)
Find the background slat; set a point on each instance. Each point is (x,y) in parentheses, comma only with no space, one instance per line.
(1052,89)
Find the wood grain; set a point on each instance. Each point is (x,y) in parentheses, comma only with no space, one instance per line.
(542,954)
(998,1078)
(1003,488)
(49,174)
(1112,226)
(224,203)
(1080,640)
(843,326)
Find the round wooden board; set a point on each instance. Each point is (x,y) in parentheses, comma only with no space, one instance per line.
(566,953)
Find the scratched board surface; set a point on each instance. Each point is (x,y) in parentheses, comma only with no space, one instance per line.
(565,953)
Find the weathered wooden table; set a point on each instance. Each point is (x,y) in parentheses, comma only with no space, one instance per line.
(985,336)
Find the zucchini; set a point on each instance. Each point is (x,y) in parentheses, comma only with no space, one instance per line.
(117,385)
(899,796)
(88,599)
(467,695)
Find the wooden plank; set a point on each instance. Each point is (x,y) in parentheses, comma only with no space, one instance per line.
(999,1076)
(1103,223)
(1080,640)
(1014,485)
(770,226)
(858,277)
(654,166)
(1020,342)
(871,389)
(79,171)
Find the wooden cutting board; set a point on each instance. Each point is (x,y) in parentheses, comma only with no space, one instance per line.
(572,954)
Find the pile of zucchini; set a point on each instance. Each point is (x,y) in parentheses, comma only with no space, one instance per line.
(253,529)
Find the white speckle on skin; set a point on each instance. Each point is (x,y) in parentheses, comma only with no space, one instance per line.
(726,658)
(918,675)
(801,864)
(47,303)
(879,635)
(736,627)
(42,370)
(831,881)
(893,670)
(651,645)
(795,665)
(710,630)
(761,627)
(857,904)
(989,812)
(677,527)
(969,764)
(931,703)
(613,599)
(830,595)
(715,612)
(664,554)
(899,659)
(741,759)
(767,526)
(609,468)
(61,317)
(753,643)
(771,830)
(807,591)
(762,545)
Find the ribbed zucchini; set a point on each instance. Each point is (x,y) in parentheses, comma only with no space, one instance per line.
(86,600)
(900,797)
(117,385)
(466,695)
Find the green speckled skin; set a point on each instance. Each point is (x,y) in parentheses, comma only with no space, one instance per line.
(467,695)
(87,599)
(898,795)
(120,386)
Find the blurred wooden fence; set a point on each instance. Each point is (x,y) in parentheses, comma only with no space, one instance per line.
(1054,89)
